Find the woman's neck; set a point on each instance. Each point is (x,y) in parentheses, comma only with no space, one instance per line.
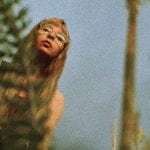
(43,62)
(42,59)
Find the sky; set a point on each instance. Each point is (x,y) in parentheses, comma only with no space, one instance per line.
(92,77)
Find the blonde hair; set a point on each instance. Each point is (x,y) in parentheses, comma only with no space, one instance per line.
(55,65)
(50,73)
(33,111)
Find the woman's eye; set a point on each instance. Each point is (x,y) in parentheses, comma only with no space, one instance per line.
(61,38)
(46,30)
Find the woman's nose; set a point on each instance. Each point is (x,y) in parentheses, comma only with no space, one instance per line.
(50,36)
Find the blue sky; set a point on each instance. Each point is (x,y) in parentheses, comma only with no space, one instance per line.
(92,78)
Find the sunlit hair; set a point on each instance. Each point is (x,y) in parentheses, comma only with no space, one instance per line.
(27,48)
(40,90)
(52,69)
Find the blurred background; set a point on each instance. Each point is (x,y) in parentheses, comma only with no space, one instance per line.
(93,75)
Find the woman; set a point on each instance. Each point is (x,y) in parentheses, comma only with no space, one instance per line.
(42,55)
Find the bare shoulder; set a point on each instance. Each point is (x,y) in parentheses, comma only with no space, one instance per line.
(57,108)
(57,104)
(59,95)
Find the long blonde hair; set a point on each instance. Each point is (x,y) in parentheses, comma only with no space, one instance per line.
(17,114)
(51,72)
(55,65)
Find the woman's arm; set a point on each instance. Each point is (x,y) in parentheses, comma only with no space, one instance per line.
(56,110)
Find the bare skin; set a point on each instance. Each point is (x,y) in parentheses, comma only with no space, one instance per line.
(46,43)
(47,48)
(56,108)
(42,54)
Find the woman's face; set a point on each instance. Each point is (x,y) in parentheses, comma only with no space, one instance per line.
(50,39)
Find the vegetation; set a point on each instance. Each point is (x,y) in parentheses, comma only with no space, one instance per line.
(132,134)
(128,112)
(12,27)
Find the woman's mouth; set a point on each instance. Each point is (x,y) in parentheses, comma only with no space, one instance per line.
(46,44)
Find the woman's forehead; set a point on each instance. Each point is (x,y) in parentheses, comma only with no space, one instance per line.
(58,24)
(55,22)
(56,28)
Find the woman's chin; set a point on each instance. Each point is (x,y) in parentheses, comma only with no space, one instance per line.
(44,51)
(47,52)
